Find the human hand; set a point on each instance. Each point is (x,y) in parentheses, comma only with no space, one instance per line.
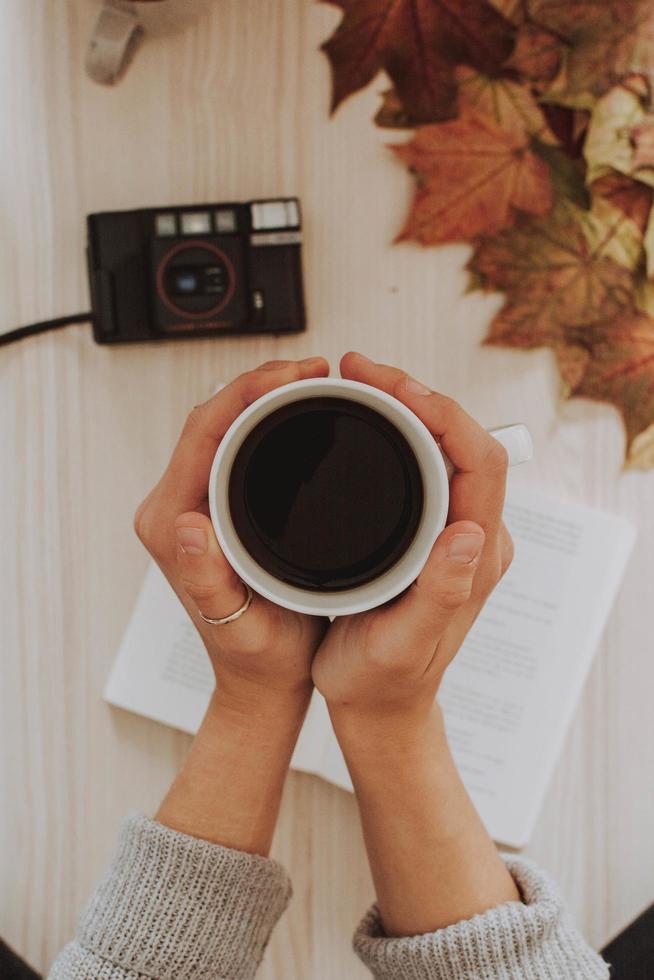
(388,662)
(431,859)
(266,652)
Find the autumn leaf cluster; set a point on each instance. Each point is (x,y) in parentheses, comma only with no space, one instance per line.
(534,141)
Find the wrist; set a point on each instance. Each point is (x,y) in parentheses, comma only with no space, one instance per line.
(229,788)
(254,700)
(253,713)
(432,861)
(376,741)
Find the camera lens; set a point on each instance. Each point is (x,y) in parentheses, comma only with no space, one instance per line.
(195,279)
(185,282)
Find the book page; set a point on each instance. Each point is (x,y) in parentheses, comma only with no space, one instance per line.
(510,693)
(162,670)
(508,696)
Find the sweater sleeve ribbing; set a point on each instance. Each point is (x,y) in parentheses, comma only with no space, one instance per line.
(532,940)
(172,906)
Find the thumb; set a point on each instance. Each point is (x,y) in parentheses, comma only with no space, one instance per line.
(206,575)
(445,583)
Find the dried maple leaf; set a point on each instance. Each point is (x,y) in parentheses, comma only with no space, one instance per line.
(513,10)
(605,40)
(642,137)
(641,452)
(559,272)
(391,113)
(627,195)
(507,103)
(568,125)
(572,361)
(619,121)
(473,176)
(418,43)
(618,154)
(648,242)
(568,176)
(620,368)
(537,54)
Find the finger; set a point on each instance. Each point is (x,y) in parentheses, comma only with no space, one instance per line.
(187,474)
(477,487)
(357,367)
(442,589)
(492,567)
(466,443)
(206,576)
(469,446)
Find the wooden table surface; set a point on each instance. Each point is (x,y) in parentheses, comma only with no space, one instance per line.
(236,107)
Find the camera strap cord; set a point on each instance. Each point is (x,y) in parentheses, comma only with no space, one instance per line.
(33,328)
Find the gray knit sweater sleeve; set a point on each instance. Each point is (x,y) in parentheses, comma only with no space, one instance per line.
(172,907)
(532,940)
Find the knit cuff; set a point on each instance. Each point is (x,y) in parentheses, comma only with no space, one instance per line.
(173,905)
(532,940)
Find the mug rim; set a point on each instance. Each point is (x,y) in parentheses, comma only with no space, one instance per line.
(395,579)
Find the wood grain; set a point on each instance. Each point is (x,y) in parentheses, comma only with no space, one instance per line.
(233,107)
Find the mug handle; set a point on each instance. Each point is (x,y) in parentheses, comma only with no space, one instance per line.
(516,439)
(115,38)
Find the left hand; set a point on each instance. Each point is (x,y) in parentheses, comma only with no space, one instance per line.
(387,663)
(432,861)
(268,650)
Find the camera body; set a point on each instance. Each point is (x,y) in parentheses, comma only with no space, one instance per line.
(196,270)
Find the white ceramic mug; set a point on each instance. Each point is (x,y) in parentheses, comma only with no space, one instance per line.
(435,470)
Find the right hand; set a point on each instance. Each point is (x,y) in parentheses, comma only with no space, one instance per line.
(268,651)
(390,661)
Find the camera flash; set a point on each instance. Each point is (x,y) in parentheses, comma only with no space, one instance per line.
(166,225)
(196,223)
(269,214)
(225,221)
(292,213)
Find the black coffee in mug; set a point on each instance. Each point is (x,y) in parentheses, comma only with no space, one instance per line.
(325,494)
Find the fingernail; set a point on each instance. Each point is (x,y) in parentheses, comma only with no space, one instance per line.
(192,540)
(311,360)
(464,548)
(364,358)
(416,388)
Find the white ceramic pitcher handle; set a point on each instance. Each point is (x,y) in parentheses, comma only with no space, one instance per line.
(116,35)
(516,439)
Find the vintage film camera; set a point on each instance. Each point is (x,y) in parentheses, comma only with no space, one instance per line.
(200,270)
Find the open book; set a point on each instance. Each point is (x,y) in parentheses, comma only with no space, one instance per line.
(508,696)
